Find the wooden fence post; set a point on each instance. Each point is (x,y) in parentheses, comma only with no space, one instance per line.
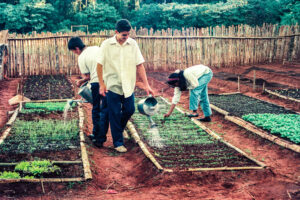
(3,54)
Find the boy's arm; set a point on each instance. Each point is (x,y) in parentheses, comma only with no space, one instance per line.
(142,74)
(85,77)
(102,89)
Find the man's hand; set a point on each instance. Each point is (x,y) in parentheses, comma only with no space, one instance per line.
(102,90)
(149,91)
(167,115)
(78,82)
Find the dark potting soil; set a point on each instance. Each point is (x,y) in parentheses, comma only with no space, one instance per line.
(259,82)
(66,171)
(42,87)
(202,156)
(239,105)
(58,115)
(294,93)
(58,155)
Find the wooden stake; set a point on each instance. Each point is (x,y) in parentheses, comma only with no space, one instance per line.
(254,79)
(264,83)
(84,156)
(238,83)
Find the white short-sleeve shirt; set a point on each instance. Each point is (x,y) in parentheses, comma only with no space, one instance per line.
(87,62)
(119,65)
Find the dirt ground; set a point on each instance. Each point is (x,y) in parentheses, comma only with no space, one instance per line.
(133,176)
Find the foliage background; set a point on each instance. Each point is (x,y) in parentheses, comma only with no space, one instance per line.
(25,16)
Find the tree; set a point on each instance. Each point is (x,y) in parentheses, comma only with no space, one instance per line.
(98,17)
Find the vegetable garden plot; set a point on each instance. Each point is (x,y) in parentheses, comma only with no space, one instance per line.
(294,93)
(274,119)
(290,94)
(44,144)
(42,87)
(180,144)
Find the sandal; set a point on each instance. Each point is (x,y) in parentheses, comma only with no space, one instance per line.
(193,115)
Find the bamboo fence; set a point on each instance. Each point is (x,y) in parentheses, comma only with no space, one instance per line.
(220,46)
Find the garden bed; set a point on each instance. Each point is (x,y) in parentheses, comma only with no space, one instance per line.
(42,87)
(289,94)
(177,143)
(41,133)
(284,132)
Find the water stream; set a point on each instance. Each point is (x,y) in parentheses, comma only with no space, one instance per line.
(66,109)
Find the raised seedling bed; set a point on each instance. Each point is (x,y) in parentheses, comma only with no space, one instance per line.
(289,94)
(42,87)
(278,124)
(43,146)
(178,143)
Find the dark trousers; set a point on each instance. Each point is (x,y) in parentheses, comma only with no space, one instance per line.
(120,110)
(99,114)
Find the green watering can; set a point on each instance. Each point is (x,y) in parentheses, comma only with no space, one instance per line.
(148,107)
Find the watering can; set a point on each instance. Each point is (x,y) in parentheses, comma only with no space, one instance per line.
(148,107)
(85,92)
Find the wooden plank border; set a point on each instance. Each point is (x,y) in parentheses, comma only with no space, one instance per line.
(282,96)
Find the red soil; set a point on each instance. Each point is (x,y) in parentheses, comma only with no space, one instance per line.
(8,89)
(133,176)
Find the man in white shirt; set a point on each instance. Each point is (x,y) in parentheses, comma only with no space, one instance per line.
(87,65)
(195,79)
(119,61)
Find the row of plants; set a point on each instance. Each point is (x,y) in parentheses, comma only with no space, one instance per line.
(183,143)
(294,93)
(284,125)
(275,119)
(31,170)
(42,135)
(239,105)
(45,106)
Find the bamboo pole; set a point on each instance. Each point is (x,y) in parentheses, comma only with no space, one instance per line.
(45,180)
(254,80)
(223,112)
(84,156)
(13,117)
(48,100)
(137,139)
(53,162)
(281,96)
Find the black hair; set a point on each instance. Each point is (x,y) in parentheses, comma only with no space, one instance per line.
(75,42)
(177,78)
(123,25)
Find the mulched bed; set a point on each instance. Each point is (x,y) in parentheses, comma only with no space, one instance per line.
(239,105)
(181,144)
(42,87)
(294,93)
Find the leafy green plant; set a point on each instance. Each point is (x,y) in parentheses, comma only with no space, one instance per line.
(285,125)
(9,175)
(49,106)
(37,168)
